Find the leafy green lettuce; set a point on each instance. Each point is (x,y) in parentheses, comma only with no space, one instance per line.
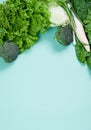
(22,20)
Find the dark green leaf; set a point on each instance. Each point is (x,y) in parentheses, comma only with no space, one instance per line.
(80,7)
(81,53)
(89,61)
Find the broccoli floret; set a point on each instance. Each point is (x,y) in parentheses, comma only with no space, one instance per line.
(64,35)
(9,51)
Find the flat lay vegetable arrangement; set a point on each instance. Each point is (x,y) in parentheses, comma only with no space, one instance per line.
(21,22)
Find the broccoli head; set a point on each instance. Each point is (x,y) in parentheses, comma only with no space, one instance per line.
(64,35)
(9,51)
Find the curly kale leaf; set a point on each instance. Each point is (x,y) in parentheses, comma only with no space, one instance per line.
(22,20)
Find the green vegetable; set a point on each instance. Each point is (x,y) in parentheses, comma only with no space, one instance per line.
(83,12)
(9,51)
(64,35)
(87,25)
(88,2)
(89,61)
(21,21)
(80,8)
(81,53)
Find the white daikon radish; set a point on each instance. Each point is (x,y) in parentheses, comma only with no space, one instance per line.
(74,38)
(81,33)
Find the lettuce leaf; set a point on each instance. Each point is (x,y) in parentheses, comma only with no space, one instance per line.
(21,21)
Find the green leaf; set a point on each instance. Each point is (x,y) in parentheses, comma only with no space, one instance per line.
(26,18)
(80,8)
(89,61)
(81,53)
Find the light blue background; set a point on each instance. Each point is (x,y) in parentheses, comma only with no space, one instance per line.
(46,88)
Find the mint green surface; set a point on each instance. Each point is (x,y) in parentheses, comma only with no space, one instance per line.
(46,88)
